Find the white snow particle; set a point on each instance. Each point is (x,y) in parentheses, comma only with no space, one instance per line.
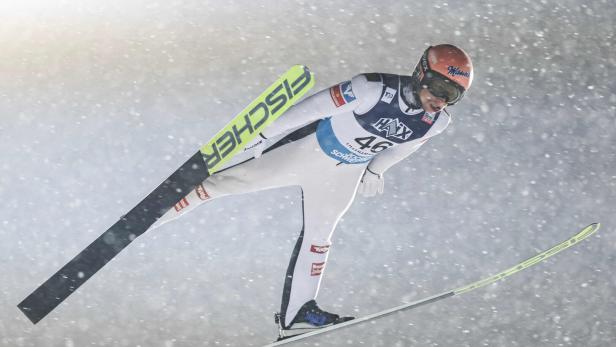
(390,28)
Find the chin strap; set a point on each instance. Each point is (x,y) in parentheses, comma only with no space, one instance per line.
(409,92)
(374,173)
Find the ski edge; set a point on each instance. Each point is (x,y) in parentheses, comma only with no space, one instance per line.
(584,233)
(581,235)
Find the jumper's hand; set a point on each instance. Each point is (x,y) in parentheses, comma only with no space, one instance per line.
(371,184)
(257,146)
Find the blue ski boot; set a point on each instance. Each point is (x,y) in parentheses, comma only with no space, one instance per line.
(310,317)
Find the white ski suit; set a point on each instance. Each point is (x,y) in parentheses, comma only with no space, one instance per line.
(331,139)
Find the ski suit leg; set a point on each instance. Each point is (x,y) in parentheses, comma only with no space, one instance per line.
(275,168)
(193,199)
(327,188)
(325,201)
(249,176)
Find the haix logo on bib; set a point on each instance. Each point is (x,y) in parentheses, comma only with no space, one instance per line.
(393,128)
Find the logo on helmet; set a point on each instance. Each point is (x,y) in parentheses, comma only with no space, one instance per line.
(455,71)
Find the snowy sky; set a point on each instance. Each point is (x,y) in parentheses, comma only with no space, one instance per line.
(100,101)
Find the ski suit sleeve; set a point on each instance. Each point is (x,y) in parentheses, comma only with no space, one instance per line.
(391,156)
(388,158)
(343,97)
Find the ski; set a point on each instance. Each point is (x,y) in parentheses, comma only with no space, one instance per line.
(581,235)
(242,129)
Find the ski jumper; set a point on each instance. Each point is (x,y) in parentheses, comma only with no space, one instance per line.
(329,139)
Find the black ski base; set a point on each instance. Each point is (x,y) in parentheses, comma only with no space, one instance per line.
(77,271)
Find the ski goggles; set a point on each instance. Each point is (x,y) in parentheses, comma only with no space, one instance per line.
(442,87)
(439,85)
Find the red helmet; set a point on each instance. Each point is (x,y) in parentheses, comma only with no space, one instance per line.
(446,70)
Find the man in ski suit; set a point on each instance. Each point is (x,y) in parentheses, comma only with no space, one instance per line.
(336,142)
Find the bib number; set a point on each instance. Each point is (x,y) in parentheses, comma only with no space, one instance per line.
(369,143)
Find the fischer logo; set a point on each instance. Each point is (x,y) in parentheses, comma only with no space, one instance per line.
(181,205)
(349,157)
(393,128)
(319,249)
(317,269)
(225,142)
(201,193)
(455,71)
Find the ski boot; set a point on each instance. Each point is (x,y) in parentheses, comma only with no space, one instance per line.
(310,317)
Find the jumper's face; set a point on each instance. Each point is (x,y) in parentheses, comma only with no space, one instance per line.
(431,103)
